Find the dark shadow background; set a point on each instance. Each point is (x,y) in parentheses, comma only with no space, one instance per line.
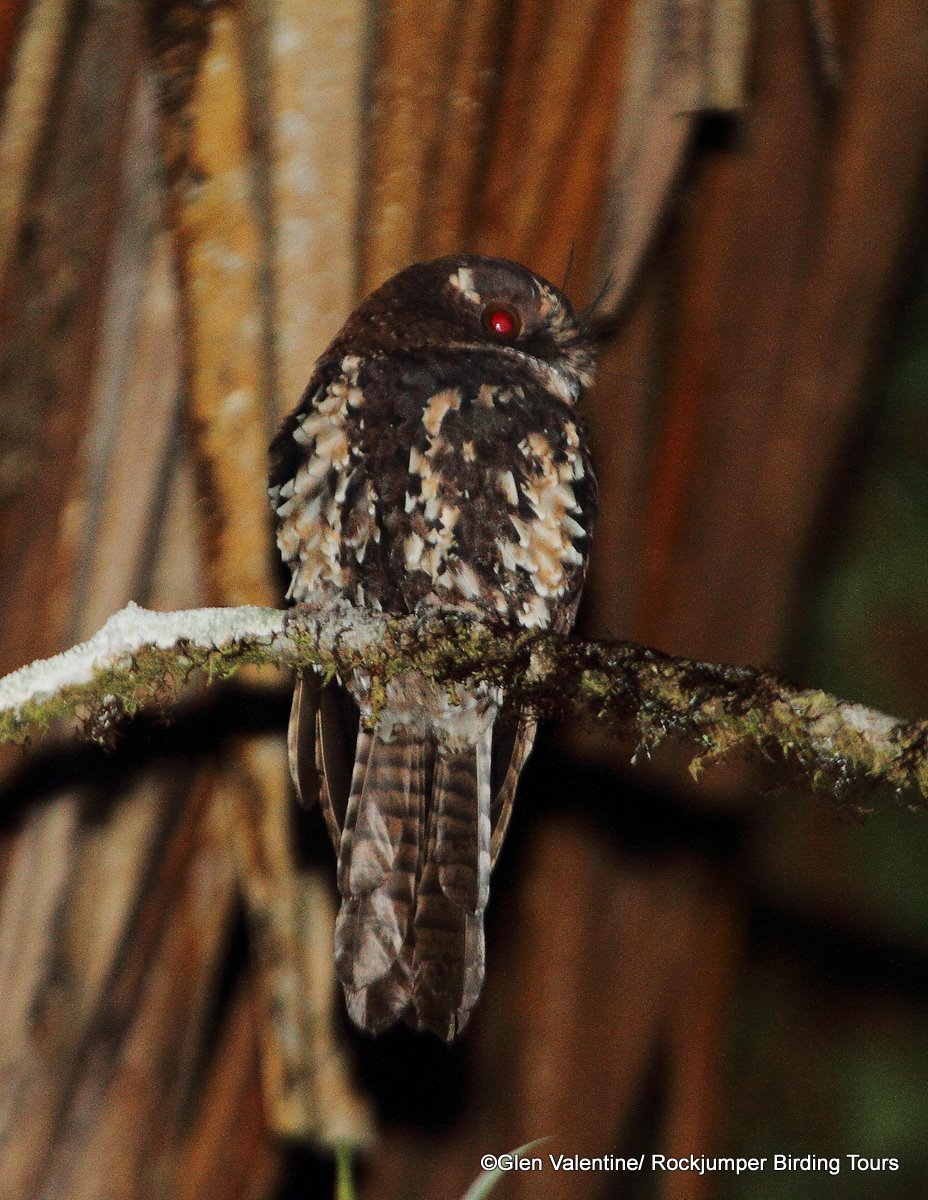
(731,967)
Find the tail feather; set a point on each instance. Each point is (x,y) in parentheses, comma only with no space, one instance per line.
(385,812)
(377,868)
(385,1001)
(448,967)
(369,936)
(461,809)
(414,869)
(448,956)
(345,840)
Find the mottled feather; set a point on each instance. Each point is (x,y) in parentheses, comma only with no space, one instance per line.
(435,462)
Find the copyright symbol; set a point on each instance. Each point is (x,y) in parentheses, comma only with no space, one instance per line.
(488,1162)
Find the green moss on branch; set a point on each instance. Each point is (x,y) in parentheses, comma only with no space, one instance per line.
(841,746)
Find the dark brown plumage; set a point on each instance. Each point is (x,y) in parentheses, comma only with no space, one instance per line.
(434,462)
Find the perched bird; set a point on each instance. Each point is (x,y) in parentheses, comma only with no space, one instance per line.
(434,463)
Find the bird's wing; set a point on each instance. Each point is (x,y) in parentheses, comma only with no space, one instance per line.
(322,742)
(301,738)
(509,756)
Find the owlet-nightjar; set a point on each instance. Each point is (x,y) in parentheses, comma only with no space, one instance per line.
(435,463)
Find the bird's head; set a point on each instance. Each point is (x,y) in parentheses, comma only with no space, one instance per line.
(481,305)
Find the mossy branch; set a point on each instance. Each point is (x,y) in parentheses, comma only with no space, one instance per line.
(141,657)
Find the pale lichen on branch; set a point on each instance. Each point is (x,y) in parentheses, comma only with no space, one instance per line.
(141,657)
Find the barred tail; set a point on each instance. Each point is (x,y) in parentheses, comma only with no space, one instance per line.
(448,958)
(378,866)
(414,869)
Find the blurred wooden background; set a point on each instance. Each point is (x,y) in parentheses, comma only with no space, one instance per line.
(192,196)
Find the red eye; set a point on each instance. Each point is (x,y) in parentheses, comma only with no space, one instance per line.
(501,322)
